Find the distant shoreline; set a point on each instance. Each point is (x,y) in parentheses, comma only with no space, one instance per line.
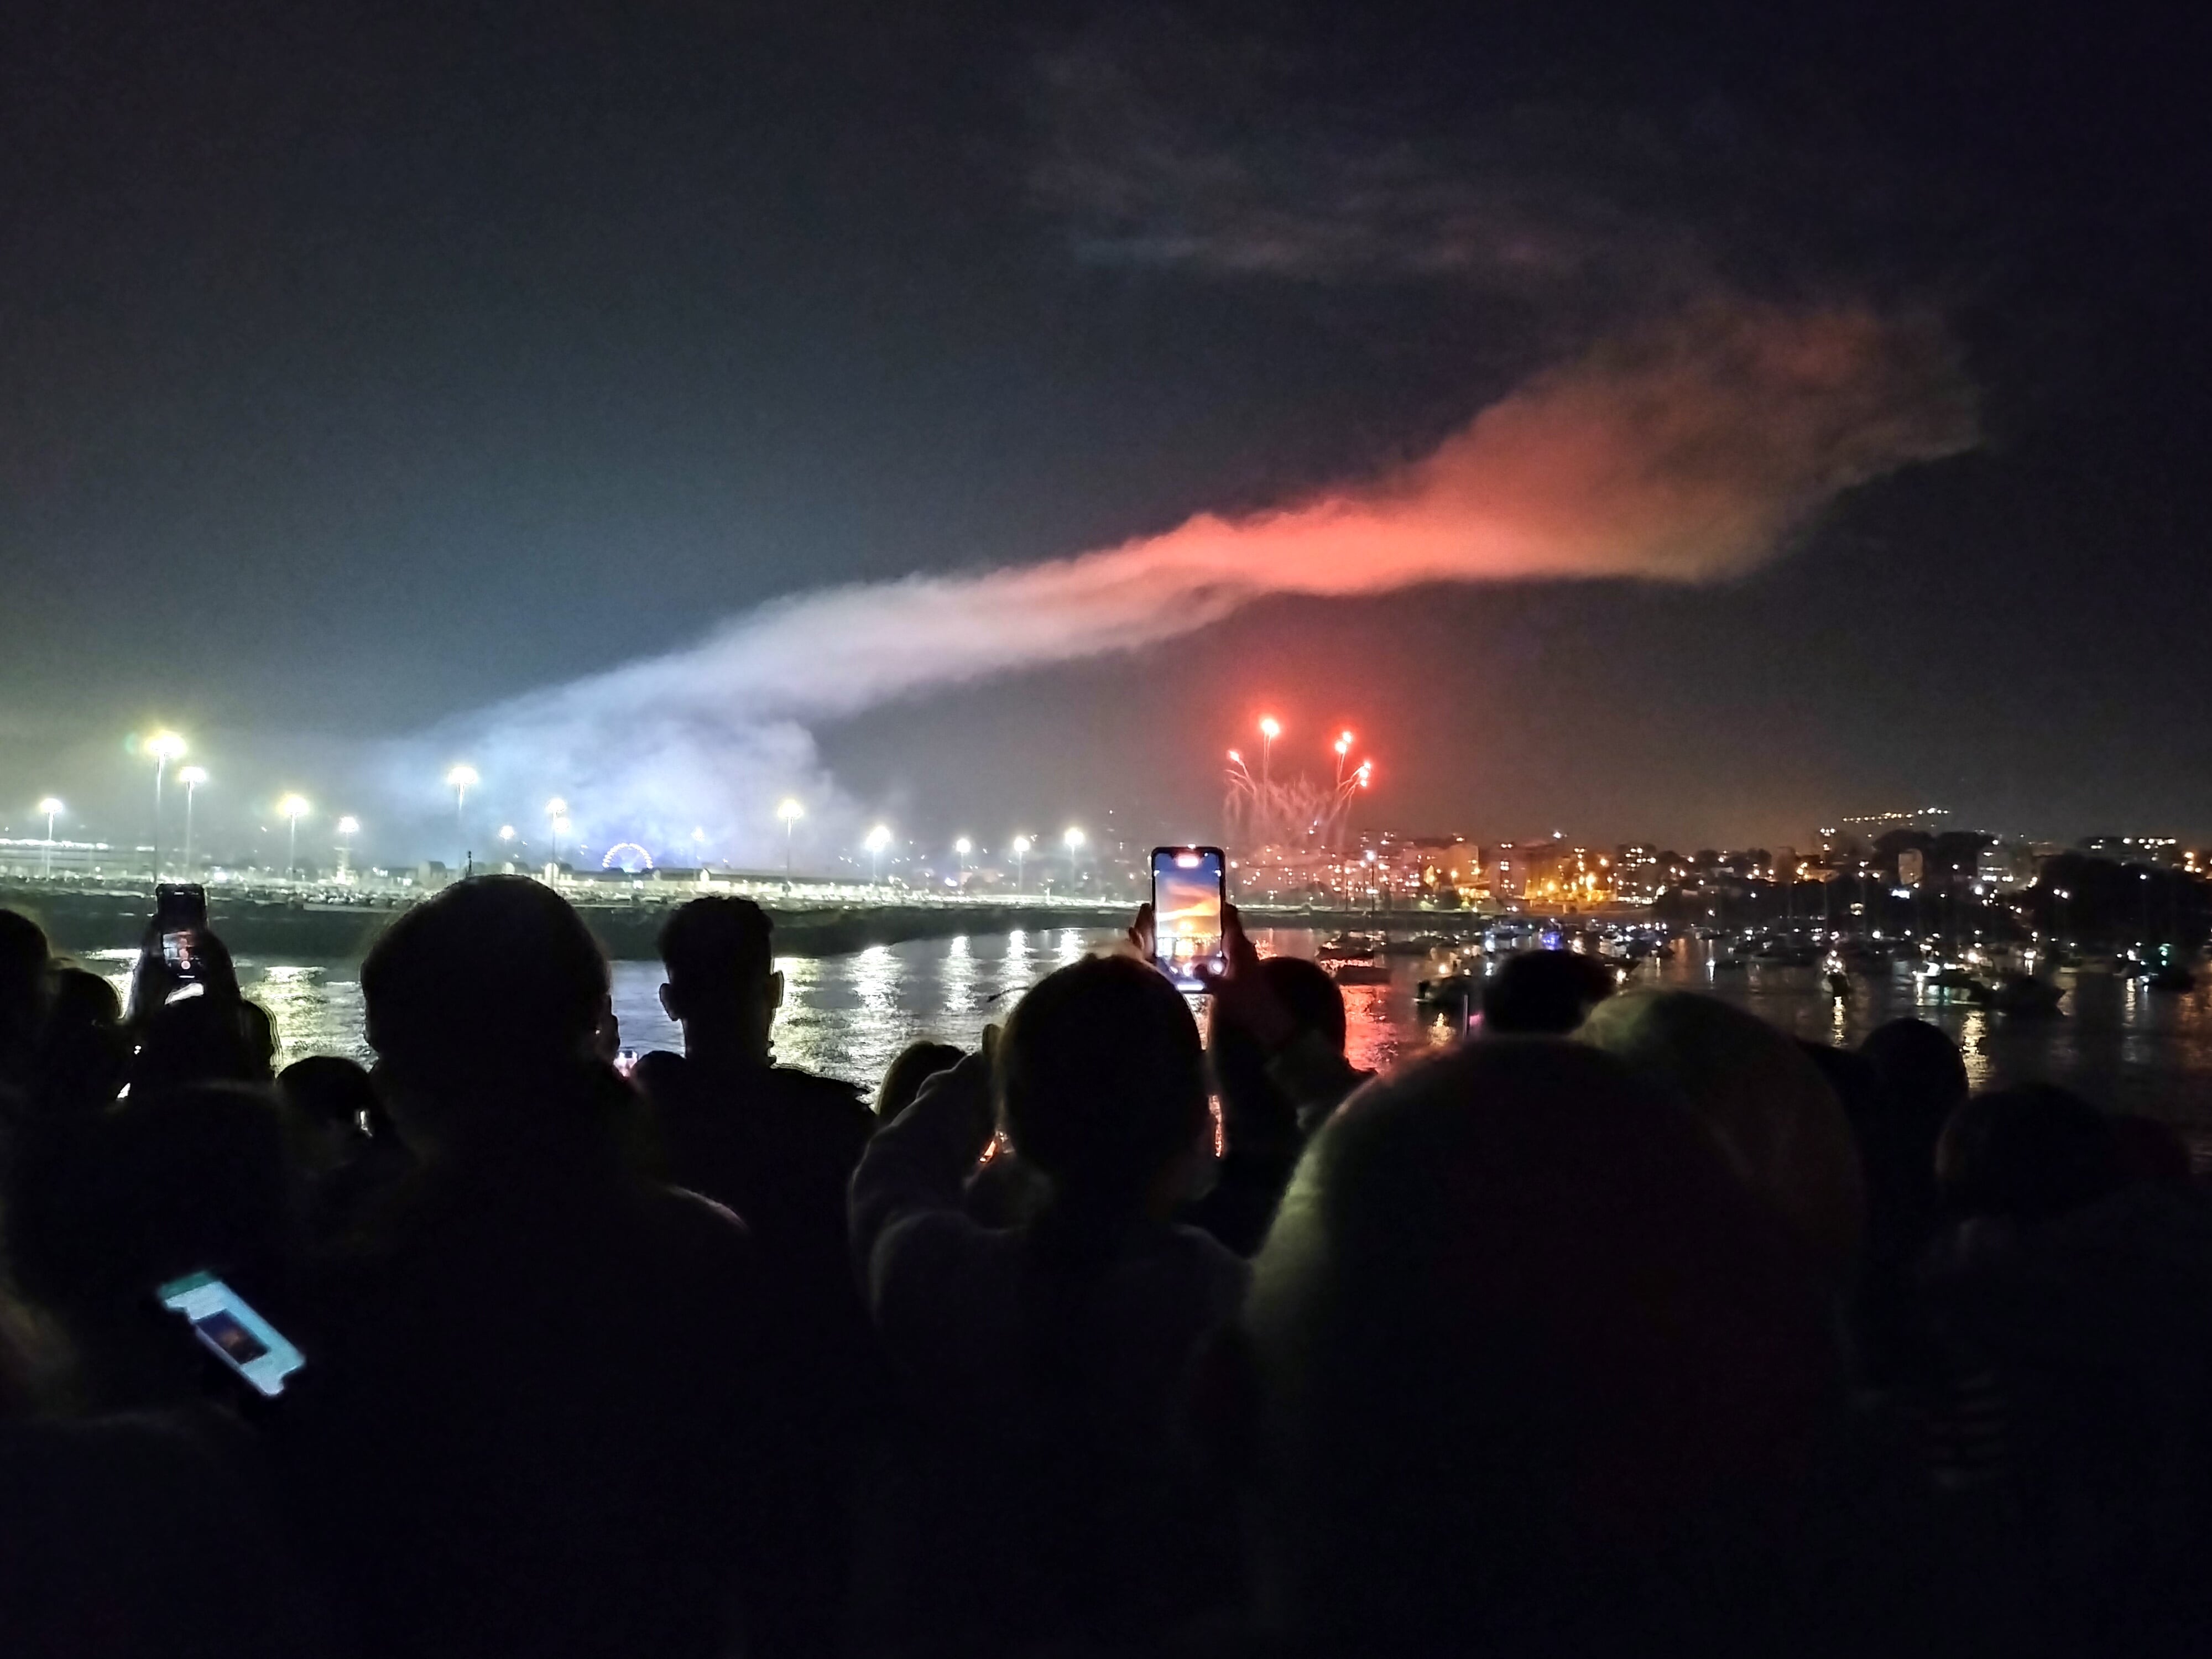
(113,917)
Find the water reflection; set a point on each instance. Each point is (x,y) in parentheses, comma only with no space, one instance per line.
(2119,1044)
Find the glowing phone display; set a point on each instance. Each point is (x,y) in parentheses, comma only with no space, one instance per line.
(233,1331)
(1190,886)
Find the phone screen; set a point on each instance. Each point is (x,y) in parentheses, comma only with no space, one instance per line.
(1188,886)
(233,1331)
(180,917)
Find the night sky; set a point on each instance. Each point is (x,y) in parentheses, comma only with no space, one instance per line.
(364,365)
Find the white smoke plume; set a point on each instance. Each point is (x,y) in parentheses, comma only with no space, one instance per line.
(1687,453)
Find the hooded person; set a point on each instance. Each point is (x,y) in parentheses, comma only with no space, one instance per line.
(1761,1099)
(1536,1372)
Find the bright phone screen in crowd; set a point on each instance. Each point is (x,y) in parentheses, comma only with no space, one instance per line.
(1188,887)
(232,1331)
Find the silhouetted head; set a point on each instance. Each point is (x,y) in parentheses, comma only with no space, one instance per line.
(722,987)
(1518,1324)
(23,990)
(914,1066)
(81,998)
(1925,1072)
(1545,992)
(1101,1081)
(209,1038)
(1761,1099)
(2032,1152)
(334,1104)
(1239,1061)
(482,1001)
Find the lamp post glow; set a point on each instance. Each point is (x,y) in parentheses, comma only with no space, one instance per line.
(879,838)
(557,810)
(961,849)
(1072,840)
(1021,845)
(507,834)
(293,807)
(560,828)
(164,747)
(460,781)
(52,809)
(348,827)
(191,777)
(790,811)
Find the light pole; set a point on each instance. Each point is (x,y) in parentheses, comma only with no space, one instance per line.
(348,827)
(790,811)
(1072,840)
(164,747)
(557,810)
(460,781)
(560,828)
(1021,845)
(293,807)
(879,838)
(52,809)
(961,849)
(506,835)
(191,777)
(1270,729)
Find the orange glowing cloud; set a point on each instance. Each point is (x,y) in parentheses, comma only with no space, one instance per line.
(1687,453)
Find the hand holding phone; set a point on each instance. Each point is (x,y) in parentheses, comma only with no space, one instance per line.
(1189,891)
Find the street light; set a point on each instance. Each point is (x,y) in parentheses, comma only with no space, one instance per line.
(164,747)
(557,810)
(560,828)
(1073,839)
(879,838)
(52,808)
(1021,845)
(191,777)
(293,807)
(506,833)
(790,811)
(460,781)
(348,827)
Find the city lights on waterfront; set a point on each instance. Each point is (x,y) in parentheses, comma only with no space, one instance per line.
(164,747)
(790,811)
(292,809)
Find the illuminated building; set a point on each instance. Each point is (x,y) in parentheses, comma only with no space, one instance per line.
(1636,874)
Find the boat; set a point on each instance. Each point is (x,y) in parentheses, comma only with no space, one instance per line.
(1421,944)
(1348,947)
(2024,994)
(1447,993)
(1352,971)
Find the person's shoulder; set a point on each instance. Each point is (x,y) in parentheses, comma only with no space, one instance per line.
(660,1072)
(1224,1275)
(832,1098)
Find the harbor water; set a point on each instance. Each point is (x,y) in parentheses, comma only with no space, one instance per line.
(2123,1045)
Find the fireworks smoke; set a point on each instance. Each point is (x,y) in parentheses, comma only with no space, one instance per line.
(1685,454)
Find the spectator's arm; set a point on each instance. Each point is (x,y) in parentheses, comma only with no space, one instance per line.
(914,1166)
(1314,1075)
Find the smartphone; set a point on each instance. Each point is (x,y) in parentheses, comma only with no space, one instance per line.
(180,920)
(230,1330)
(1189,886)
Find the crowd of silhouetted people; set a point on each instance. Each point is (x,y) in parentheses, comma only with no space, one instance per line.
(1623,1324)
